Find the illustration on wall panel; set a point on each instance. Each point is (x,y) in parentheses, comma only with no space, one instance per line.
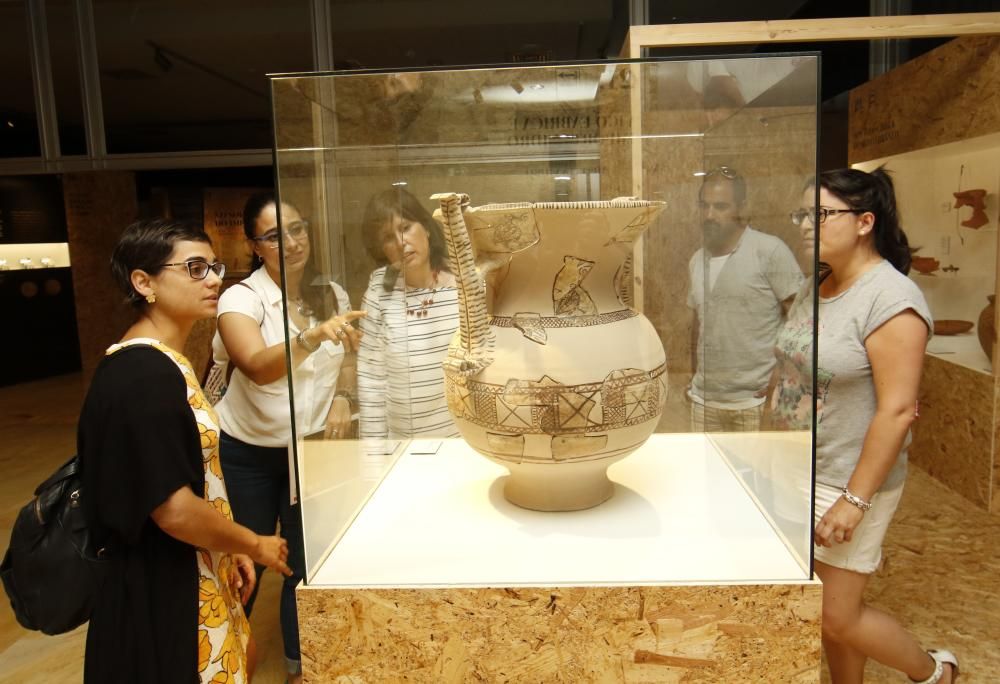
(975,199)
(556,398)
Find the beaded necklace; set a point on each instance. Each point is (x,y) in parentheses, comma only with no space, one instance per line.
(419,310)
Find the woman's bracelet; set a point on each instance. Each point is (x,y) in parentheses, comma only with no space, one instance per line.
(346,394)
(304,343)
(855,500)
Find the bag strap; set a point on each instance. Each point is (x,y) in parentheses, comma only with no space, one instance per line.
(68,470)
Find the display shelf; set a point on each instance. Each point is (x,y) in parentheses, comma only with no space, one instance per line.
(963,349)
(679,515)
(33,256)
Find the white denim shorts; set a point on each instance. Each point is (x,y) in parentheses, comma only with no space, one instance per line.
(864,552)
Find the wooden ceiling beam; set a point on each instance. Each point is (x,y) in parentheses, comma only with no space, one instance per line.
(810,30)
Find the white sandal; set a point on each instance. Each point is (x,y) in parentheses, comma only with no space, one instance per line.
(941,658)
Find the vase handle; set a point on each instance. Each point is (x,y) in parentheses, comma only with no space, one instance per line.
(470,352)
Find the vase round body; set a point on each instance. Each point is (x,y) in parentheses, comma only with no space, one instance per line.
(553,375)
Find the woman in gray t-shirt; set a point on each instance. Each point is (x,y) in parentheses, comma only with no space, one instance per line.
(873,330)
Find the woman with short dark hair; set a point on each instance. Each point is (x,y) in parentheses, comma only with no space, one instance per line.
(179,567)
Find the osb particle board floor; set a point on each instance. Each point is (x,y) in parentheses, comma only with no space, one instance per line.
(942,557)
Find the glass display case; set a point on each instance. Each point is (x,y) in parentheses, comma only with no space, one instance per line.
(607,249)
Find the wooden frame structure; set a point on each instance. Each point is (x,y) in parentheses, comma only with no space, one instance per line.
(810,30)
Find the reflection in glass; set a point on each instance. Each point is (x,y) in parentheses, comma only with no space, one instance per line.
(363,153)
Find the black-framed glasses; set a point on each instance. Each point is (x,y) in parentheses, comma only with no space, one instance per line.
(724,171)
(198,268)
(297,231)
(800,215)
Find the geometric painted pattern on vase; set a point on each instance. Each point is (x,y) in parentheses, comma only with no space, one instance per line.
(562,447)
(530,324)
(512,231)
(546,406)
(568,296)
(623,282)
(533,325)
(636,226)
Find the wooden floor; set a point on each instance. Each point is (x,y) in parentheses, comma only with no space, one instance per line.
(37,434)
(942,557)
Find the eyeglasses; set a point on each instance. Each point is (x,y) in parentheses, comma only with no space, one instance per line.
(724,171)
(800,215)
(199,269)
(297,231)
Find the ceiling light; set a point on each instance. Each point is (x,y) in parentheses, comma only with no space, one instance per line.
(399,184)
(698,174)
(537,86)
(562,178)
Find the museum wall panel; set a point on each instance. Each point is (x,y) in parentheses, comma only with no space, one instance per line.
(946,95)
(99,204)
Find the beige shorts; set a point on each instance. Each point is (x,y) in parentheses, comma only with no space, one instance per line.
(864,552)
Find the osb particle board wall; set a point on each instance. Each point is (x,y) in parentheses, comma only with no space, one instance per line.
(949,94)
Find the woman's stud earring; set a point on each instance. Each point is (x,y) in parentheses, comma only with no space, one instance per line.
(151,298)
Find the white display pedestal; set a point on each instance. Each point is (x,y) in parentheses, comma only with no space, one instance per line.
(439,578)
(679,515)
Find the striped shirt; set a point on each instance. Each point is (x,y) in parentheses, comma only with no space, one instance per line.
(400,378)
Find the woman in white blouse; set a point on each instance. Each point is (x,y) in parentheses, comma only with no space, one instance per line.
(254,414)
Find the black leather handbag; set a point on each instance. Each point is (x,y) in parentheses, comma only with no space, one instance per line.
(52,570)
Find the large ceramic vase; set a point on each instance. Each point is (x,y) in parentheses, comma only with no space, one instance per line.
(551,374)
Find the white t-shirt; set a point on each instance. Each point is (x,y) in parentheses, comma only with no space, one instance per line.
(260,414)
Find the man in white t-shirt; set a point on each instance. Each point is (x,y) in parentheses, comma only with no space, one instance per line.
(742,282)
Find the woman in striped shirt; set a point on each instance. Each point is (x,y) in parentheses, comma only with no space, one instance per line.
(412,305)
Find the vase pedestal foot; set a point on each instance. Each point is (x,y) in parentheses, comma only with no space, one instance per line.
(558,486)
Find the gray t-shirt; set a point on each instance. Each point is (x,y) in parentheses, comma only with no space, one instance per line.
(740,317)
(845,397)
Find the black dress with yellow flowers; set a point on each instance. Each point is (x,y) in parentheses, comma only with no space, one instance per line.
(167,611)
